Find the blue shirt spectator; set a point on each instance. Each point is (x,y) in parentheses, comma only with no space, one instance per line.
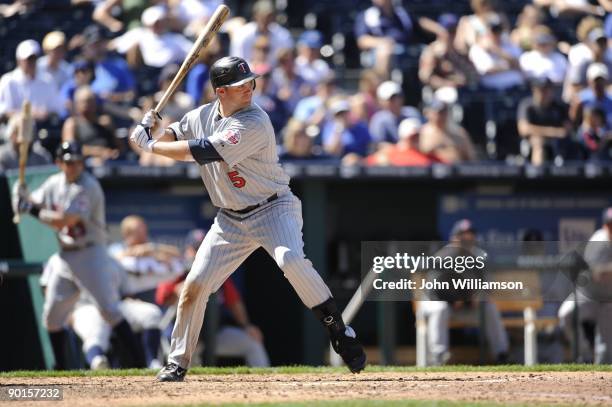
(340,136)
(382,20)
(196,79)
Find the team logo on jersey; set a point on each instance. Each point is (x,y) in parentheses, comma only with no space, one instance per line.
(232,137)
(242,67)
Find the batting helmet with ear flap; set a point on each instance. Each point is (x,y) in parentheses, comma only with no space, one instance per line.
(230,71)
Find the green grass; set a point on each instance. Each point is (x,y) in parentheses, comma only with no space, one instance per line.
(311,369)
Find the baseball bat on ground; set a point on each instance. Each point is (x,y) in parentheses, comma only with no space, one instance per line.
(25,128)
(207,34)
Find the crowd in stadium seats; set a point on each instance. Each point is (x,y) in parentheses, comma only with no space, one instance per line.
(521,81)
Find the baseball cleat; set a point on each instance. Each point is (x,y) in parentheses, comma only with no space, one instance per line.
(171,373)
(350,350)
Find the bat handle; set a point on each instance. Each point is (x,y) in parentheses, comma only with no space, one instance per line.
(16,218)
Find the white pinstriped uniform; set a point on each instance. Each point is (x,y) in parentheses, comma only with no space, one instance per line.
(248,175)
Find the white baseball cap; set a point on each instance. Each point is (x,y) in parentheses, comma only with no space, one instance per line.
(26,49)
(152,15)
(409,127)
(597,70)
(338,106)
(388,89)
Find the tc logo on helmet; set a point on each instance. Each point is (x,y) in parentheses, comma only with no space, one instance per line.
(242,67)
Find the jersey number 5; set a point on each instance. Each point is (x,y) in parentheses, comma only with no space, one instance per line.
(236,179)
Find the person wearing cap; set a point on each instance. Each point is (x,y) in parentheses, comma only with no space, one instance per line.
(384,123)
(308,63)
(236,335)
(543,120)
(594,298)
(594,134)
(496,58)
(243,39)
(340,135)
(311,110)
(53,62)
(544,60)
(444,138)
(383,30)
(595,95)
(93,131)
(440,304)
(441,64)
(157,45)
(9,151)
(406,152)
(72,203)
(25,83)
(594,49)
(113,80)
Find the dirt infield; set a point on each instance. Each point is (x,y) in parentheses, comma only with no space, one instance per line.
(568,388)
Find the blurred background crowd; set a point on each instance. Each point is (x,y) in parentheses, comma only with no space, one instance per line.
(378,82)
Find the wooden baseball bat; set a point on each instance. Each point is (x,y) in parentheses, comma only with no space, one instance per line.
(25,127)
(207,34)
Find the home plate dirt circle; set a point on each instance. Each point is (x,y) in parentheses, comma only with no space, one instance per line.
(567,388)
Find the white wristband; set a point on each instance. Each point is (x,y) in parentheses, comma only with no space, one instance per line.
(149,146)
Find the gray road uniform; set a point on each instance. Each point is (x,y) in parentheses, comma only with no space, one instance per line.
(82,262)
(257,209)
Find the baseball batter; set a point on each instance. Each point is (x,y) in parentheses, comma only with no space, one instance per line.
(233,142)
(72,203)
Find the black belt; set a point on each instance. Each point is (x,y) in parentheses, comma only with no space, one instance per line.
(76,248)
(253,207)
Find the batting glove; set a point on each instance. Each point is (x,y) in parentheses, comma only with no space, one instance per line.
(141,136)
(150,118)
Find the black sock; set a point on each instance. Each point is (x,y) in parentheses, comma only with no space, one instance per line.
(126,336)
(58,343)
(330,317)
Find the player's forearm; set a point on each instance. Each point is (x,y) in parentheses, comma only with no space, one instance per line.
(177,150)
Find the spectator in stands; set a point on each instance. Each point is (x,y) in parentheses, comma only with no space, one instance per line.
(237,336)
(594,134)
(406,152)
(544,61)
(83,75)
(384,123)
(496,58)
(572,8)
(95,132)
(441,303)
(24,82)
(597,51)
(113,79)
(297,145)
(364,103)
(119,15)
(53,63)
(197,79)
(263,23)
(193,14)
(147,263)
(382,31)
(266,98)
(543,120)
(261,52)
(340,136)
(593,301)
(155,43)
(9,151)
(474,26)
(441,65)
(312,110)
(289,85)
(179,102)
(444,138)
(523,33)
(308,63)
(595,95)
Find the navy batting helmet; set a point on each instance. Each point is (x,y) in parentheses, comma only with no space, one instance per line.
(69,151)
(230,71)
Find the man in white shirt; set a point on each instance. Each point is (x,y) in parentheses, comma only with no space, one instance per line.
(243,40)
(544,61)
(53,63)
(308,63)
(23,83)
(158,46)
